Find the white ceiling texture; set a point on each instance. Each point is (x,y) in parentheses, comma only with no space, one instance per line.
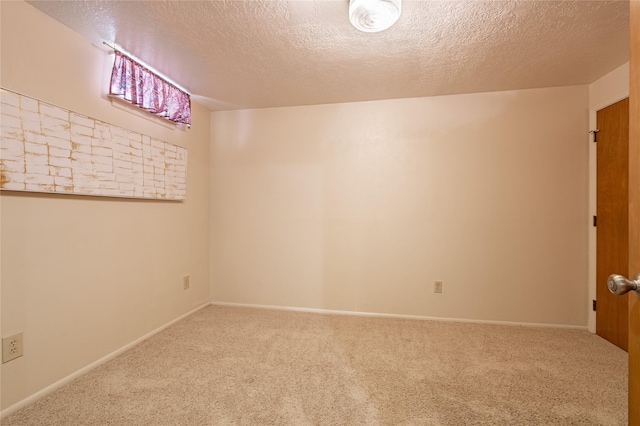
(269,53)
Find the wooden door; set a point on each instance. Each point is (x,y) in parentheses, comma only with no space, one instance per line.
(613,219)
(634,214)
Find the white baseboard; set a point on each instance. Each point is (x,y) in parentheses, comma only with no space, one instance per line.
(417,317)
(32,398)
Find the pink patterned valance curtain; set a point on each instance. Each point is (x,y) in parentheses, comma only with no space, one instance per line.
(133,82)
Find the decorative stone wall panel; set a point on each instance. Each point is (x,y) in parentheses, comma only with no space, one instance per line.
(44,148)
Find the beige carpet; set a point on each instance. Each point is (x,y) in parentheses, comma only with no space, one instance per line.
(233,366)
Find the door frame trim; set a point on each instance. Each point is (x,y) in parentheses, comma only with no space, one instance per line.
(594,107)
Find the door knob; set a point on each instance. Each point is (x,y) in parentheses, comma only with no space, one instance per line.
(619,285)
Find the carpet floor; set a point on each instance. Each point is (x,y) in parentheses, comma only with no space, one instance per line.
(241,366)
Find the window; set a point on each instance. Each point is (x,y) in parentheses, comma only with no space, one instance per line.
(135,83)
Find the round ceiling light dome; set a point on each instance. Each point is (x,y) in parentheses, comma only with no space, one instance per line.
(371,16)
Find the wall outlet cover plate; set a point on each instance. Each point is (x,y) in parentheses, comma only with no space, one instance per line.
(12,347)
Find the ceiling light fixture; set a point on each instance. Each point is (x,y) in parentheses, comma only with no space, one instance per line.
(372,16)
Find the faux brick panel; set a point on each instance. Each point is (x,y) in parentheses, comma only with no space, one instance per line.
(45,148)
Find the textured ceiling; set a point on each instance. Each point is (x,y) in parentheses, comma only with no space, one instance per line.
(265,53)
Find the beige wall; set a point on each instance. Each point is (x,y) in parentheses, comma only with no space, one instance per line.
(603,92)
(83,277)
(361,206)
(610,88)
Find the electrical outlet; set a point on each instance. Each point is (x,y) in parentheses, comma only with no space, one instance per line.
(12,347)
(437,286)
(185,282)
